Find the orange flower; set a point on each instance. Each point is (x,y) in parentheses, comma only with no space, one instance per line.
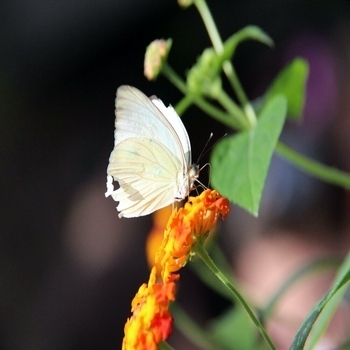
(151,322)
(188,226)
(155,237)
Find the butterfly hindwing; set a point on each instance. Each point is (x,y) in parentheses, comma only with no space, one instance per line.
(145,171)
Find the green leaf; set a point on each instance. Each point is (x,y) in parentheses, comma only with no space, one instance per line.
(304,330)
(247,33)
(240,162)
(191,330)
(235,331)
(291,82)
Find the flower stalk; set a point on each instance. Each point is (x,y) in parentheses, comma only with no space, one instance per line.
(203,254)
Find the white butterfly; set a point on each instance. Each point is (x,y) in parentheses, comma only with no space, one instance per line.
(151,158)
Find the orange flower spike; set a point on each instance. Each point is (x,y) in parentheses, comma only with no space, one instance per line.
(151,322)
(214,205)
(188,225)
(155,237)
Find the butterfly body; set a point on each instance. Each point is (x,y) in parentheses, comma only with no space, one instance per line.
(151,158)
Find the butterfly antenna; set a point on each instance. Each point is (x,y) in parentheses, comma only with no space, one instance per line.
(205,151)
(209,165)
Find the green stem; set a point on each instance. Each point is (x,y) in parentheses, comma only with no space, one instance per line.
(183,104)
(237,87)
(233,109)
(208,278)
(164,346)
(227,66)
(314,168)
(205,106)
(202,253)
(174,78)
(210,25)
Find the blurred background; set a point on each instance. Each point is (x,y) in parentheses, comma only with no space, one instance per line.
(69,266)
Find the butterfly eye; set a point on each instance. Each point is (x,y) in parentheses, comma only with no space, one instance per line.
(193,172)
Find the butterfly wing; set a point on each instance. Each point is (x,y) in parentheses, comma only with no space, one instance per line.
(138,115)
(149,159)
(177,124)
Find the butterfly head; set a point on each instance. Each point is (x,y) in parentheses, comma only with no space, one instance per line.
(186,185)
(192,175)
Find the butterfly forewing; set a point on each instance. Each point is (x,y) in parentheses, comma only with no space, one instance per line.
(137,115)
(175,122)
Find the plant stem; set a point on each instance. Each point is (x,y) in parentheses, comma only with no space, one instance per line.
(227,66)
(233,109)
(314,168)
(210,25)
(174,78)
(183,104)
(164,346)
(205,106)
(237,87)
(202,253)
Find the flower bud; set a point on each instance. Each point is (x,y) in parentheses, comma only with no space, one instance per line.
(156,55)
(185,3)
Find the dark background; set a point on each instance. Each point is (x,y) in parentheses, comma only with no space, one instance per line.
(68,266)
